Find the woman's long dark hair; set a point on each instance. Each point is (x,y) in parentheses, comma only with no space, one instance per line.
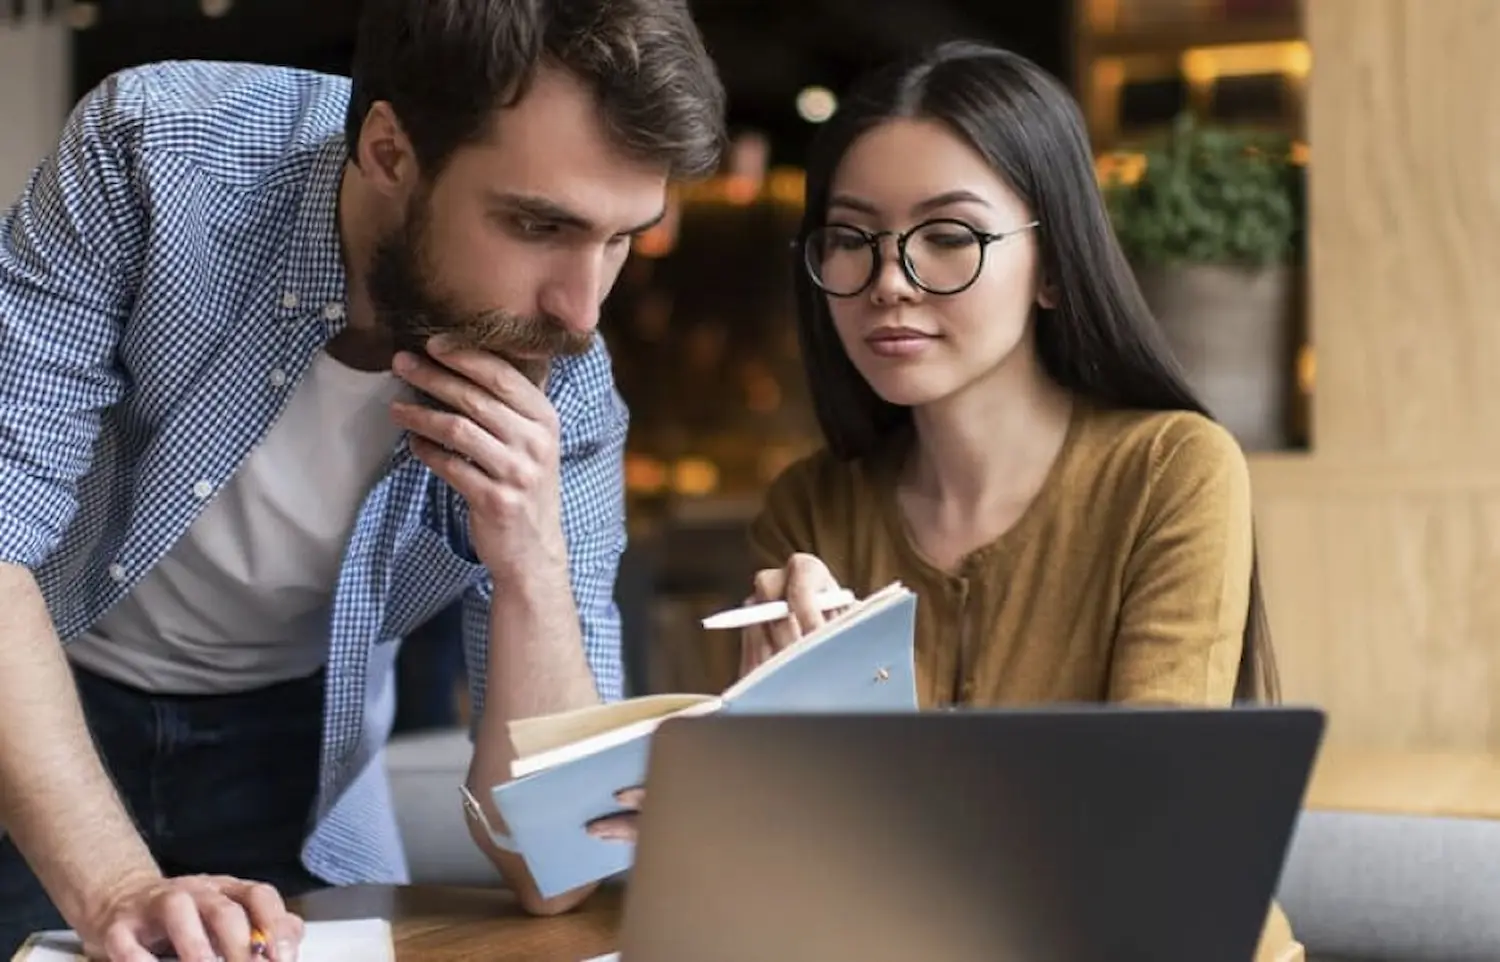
(1100,339)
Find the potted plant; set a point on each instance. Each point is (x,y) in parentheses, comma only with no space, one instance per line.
(1213,227)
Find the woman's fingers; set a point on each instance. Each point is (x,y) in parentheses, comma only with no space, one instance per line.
(798,583)
(806,578)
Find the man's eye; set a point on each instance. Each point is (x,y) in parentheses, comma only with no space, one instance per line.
(532,227)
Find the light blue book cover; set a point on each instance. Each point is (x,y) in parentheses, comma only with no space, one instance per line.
(863,661)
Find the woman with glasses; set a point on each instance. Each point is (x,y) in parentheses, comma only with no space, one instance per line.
(1006,431)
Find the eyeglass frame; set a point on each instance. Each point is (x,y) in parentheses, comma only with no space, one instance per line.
(877,256)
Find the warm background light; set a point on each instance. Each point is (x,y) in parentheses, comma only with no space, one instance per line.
(816,104)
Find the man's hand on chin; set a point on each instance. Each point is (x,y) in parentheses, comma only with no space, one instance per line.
(497,446)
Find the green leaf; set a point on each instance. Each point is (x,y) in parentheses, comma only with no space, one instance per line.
(1211,194)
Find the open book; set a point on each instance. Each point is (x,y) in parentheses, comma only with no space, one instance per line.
(570,765)
(357,940)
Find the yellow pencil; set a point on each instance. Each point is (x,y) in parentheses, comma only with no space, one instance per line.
(260,946)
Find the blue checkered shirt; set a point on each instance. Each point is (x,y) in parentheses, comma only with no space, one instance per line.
(166,277)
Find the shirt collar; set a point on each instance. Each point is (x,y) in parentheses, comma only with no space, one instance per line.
(313,280)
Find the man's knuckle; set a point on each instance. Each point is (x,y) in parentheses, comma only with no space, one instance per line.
(465,432)
(447,429)
(196,947)
(223,912)
(501,500)
(489,504)
(118,935)
(261,892)
(472,398)
(462,435)
(539,443)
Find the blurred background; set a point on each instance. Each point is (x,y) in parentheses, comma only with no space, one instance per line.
(700,323)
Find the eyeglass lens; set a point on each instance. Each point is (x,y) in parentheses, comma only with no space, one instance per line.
(941,257)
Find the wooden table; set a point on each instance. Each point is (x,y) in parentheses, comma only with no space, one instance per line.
(1441,784)
(445,924)
(442,924)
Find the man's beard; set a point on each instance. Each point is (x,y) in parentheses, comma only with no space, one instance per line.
(412,311)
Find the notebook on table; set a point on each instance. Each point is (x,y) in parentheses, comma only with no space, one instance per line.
(356,940)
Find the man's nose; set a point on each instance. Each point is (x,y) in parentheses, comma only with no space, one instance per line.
(573,296)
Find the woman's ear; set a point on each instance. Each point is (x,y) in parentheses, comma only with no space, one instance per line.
(1046,296)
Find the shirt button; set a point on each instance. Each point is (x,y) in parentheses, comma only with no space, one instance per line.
(333,312)
(277,377)
(117,572)
(203,489)
(289,300)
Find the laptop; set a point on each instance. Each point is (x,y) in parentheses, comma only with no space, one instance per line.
(1087,834)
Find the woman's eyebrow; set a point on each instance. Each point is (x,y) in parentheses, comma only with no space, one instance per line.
(851,202)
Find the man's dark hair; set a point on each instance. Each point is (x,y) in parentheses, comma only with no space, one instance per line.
(446,67)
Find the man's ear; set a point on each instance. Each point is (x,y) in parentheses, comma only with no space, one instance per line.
(385,155)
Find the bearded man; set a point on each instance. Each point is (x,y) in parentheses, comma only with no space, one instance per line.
(288,364)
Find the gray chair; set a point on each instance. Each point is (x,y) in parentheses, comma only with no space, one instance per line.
(1361,887)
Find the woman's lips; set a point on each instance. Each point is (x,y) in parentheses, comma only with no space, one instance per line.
(899,342)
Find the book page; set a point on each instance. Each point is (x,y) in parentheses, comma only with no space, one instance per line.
(546,740)
(701,705)
(357,940)
(858,612)
(543,733)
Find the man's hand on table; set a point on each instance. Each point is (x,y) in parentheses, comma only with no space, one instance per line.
(198,918)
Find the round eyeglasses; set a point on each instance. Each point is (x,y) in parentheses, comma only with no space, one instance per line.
(942,256)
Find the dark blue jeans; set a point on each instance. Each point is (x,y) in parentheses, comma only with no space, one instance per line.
(221,784)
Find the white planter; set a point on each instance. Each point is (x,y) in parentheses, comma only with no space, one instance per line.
(1233,331)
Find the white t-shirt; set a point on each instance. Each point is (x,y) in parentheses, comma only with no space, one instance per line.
(243,599)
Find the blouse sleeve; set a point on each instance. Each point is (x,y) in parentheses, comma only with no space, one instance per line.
(1187,585)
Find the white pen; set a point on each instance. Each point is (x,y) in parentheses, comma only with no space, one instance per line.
(774,610)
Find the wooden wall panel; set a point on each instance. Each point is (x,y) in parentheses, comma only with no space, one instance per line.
(1384,610)
(1405,210)
(1382,546)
